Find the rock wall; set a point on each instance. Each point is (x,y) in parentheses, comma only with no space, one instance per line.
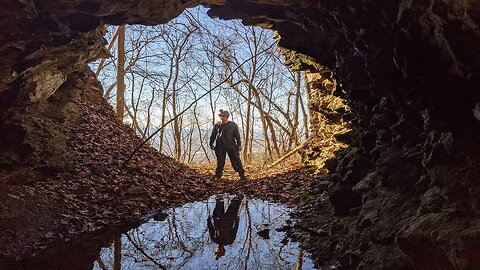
(410,71)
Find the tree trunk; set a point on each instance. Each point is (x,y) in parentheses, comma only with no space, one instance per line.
(267,147)
(121,73)
(176,122)
(304,110)
(297,107)
(273,135)
(246,147)
(164,106)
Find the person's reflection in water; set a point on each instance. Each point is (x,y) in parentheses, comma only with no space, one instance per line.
(224,227)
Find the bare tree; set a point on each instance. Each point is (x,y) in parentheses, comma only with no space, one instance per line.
(121,73)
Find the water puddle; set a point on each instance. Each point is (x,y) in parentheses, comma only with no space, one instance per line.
(223,232)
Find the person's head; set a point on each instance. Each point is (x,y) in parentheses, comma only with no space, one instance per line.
(219,252)
(224,116)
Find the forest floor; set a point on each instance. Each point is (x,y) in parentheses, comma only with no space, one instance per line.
(98,191)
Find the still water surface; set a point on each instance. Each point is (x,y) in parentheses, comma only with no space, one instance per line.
(251,232)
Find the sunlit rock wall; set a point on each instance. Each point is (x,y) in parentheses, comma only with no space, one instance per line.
(329,120)
(410,71)
(329,113)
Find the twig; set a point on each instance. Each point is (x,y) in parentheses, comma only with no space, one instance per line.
(191,104)
(287,155)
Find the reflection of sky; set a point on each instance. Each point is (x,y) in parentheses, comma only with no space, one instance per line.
(182,241)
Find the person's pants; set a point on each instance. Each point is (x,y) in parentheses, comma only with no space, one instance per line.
(233,155)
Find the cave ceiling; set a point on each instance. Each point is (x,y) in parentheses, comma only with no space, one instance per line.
(372,44)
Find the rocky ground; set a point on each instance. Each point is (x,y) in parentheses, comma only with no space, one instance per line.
(98,191)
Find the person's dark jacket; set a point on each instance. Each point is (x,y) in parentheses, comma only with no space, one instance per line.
(223,226)
(223,231)
(226,134)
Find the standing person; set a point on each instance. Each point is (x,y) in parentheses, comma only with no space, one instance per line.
(225,139)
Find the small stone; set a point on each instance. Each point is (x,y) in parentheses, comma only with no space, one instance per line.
(323,185)
(322,232)
(135,191)
(160,216)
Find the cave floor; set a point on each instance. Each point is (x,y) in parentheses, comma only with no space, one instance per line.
(62,217)
(97,191)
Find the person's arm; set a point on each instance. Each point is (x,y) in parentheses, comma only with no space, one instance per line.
(211,229)
(236,135)
(213,136)
(235,227)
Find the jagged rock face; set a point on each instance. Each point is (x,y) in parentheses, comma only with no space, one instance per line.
(410,70)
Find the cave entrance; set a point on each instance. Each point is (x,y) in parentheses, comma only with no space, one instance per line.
(168,83)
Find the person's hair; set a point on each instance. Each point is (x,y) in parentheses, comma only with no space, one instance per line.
(226,113)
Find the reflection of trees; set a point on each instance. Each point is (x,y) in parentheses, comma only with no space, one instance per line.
(117,256)
(117,253)
(258,253)
(182,242)
(101,264)
(299,259)
(170,245)
(248,234)
(144,253)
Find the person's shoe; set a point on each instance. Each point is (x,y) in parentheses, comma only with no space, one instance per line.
(243,178)
(216,178)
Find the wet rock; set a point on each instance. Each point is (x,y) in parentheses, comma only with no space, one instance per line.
(331,164)
(368,140)
(435,241)
(422,185)
(322,232)
(403,131)
(448,142)
(367,183)
(382,120)
(344,199)
(433,200)
(351,177)
(404,177)
(265,233)
(384,257)
(323,185)
(354,211)
(364,245)
(343,137)
(350,259)
(438,155)
(384,135)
